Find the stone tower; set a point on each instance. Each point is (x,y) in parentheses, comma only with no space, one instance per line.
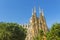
(36,24)
(42,24)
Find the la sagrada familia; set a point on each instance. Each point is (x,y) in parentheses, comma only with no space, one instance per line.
(36,24)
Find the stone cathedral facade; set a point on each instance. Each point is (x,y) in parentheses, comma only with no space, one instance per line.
(36,24)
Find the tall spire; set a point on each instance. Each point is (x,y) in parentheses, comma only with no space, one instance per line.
(33,10)
(42,12)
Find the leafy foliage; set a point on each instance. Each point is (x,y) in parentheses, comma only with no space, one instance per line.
(54,33)
(12,31)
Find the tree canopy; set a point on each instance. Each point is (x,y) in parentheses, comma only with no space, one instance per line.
(12,31)
(54,33)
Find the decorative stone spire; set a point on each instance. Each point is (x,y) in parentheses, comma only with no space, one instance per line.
(33,10)
(33,15)
(42,13)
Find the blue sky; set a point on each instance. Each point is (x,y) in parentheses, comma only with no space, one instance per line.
(20,11)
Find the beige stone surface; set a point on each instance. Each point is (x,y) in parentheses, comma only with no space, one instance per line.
(36,24)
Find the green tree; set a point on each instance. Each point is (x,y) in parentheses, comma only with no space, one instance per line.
(54,33)
(12,31)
